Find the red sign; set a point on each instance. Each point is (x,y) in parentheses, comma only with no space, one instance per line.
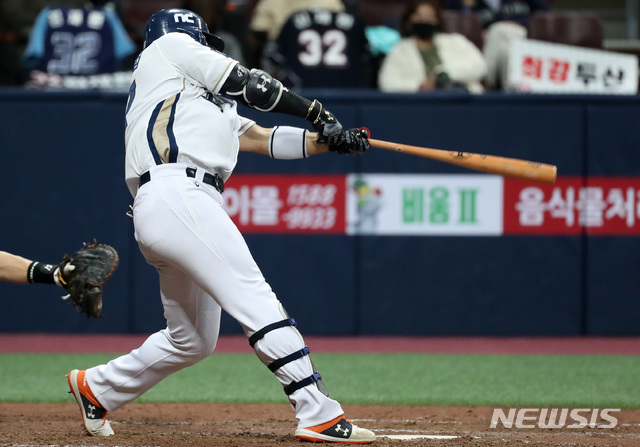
(286,204)
(558,71)
(533,67)
(573,205)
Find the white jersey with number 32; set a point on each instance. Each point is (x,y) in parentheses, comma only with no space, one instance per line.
(174,106)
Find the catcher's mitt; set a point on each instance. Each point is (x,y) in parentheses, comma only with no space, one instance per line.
(84,273)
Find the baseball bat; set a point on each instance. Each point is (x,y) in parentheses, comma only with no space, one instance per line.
(492,164)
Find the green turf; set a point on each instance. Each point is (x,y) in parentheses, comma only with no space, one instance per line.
(385,379)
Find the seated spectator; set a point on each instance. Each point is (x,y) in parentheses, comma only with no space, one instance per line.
(269,16)
(503,21)
(78,42)
(318,48)
(428,59)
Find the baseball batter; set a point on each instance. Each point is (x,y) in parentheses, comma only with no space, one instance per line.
(182,140)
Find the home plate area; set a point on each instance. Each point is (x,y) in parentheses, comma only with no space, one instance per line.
(414,437)
(266,425)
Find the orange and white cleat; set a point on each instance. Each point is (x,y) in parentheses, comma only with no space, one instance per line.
(94,416)
(338,430)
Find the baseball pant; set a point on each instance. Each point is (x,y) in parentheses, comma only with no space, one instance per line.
(204,266)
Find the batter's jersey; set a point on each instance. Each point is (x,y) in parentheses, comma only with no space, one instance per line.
(74,41)
(324,48)
(174,113)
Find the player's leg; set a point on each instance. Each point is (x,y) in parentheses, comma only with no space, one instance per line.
(193,322)
(215,253)
(248,298)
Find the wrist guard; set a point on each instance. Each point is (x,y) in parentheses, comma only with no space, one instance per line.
(41,273)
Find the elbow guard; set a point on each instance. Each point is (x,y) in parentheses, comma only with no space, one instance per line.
(256,88)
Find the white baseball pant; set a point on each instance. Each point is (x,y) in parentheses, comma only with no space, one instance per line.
(204,265)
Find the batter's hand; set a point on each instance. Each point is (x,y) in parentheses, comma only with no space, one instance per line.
(323,122)
(350,141)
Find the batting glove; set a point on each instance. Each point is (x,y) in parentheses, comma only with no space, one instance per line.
(350,141)
(324,122)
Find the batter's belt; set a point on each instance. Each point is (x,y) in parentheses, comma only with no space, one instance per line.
(210,179)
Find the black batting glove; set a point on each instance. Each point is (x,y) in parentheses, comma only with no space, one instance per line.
(323,122)
(350,141)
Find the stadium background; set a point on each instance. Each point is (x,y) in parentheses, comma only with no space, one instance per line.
(62,175)
(62,178)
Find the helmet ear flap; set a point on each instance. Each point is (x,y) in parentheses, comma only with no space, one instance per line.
(214,41)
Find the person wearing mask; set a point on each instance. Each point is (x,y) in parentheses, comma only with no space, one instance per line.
(427,58)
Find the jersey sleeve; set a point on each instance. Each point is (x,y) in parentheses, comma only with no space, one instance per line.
(245,124)
(201,64)
(123,45)
(35,46)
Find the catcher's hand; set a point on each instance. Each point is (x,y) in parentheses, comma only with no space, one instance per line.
(84,273)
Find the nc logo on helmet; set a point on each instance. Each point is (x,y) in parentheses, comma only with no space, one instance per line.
(188,18)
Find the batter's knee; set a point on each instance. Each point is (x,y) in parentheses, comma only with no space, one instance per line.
(194,347)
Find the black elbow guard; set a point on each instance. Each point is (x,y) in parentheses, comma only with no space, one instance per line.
(256,87)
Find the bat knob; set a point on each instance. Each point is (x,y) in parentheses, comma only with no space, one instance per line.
(365,132)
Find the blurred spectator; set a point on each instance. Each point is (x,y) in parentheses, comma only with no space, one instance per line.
(16,20)
(234,18)
(503,21)
(428,59)
(66,41)
(269,16)
(318,48)
(381,39)
(211,13)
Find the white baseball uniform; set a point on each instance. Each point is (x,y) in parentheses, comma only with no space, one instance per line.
(176,119)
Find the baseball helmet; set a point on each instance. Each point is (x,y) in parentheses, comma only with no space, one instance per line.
(180,21)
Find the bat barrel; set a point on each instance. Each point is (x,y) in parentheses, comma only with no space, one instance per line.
(492,164)
(513,168)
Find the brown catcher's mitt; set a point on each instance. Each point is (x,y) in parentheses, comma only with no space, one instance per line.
(84,273)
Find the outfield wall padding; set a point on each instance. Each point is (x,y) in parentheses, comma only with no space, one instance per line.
(62,183)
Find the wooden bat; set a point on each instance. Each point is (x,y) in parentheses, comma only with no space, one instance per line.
(493,164)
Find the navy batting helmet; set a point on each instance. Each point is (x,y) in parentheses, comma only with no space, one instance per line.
(180,21)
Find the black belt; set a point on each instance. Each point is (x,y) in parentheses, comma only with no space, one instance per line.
(210,179)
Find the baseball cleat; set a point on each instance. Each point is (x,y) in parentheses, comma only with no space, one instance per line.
(94,417)
(337,430)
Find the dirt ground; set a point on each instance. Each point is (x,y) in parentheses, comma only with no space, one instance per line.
(182,425)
